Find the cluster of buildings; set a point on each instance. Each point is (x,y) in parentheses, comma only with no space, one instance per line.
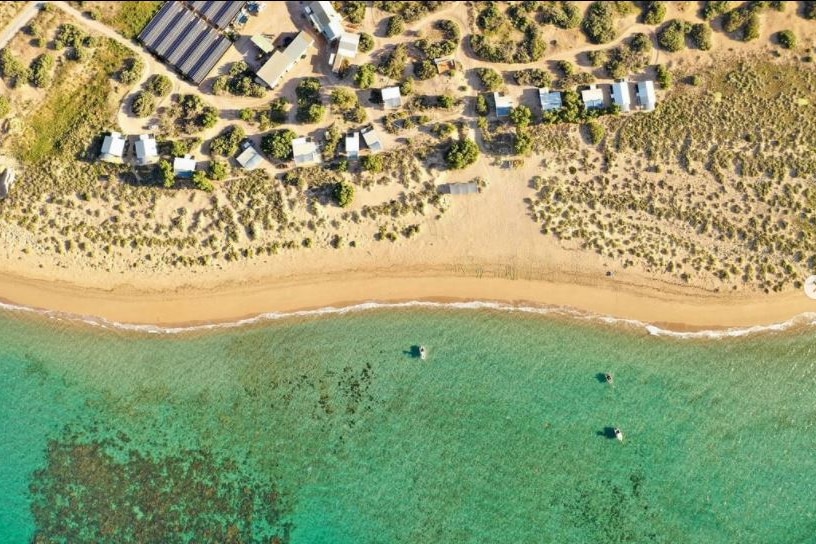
(305,151)
(593,97)
(114,145)
(328,23)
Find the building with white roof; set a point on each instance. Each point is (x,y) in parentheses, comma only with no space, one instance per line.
(146,150)
(249,158)
(391,97)
(304,151)
(6,181)
(353,145)
(592,97)
(281,62)
(113,147)
(371,139)
(346,50)
(620,95)
(184,166)
(550,100)
(325,19)
(263,43)
(504,104)
(646,95)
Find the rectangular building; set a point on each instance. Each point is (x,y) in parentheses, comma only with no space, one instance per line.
(353,145)
(550,100)
(620,95)
(504,105)
(304,152)
(592,98)
(325,19)
(646,95)
(391,97)
(113,147)
(249,158)
(282,61)
(371,139)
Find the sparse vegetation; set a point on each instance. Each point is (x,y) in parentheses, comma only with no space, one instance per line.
(533,76)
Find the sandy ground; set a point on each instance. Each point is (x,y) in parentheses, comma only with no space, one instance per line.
(485,248)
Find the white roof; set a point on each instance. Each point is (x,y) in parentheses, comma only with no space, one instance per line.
(282,61)
(620,94)
(348,44)
(184,164)
(146,148)
(550,100)
(592,97)
(372,140)
(353,143)
(113,145)
(502,101)
(326,19)
(391,97)
(304,150)
(646,95)
(249,158)
(263,43)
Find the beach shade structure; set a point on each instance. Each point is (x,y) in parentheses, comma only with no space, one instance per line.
(549,100)
(620,95)
(646,95)
(391,97)
(249,158)
(113,147)
(592,98)
(184,167)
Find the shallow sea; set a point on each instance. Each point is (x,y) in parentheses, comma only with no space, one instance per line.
(328,429)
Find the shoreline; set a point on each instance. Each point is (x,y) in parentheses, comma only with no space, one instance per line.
(230,303)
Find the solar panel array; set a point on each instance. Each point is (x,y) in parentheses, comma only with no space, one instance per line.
(219,14)
(185,40)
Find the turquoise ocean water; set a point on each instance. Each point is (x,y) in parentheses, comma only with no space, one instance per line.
(326,429)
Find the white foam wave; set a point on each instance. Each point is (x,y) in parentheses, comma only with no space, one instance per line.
(805,319)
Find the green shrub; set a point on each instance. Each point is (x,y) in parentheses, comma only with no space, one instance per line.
(353,11)
(167,174)
(5,106)
(654,12)
(490,79)
(599,22)
(597,57)
(809,10)
(343,98)
(701,36)
(664,77)
(202,182)
(40,73)
(227,143)
(461,154)
(132,71)
(396,25)
(446,101)
(521,116)
(68,35)
(366,42)
(532,76)
(278,144)
(344,194)
(372,163)
(393,64)
(713,9)
(786,38)
(561,14)
(750,31)
(672,35)
(407,86)
(595,132)
(481,105)
(424,69)
(640,43)
(143,104)
(219,170)
(159,84)
(364,76)
(490,18)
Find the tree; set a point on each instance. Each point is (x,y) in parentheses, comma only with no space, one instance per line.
(208,117)
(167,173)
(654,12)
(202,182)
(523,143)
(393,65)
(446,101)
(226,143)
(179,148)
(396,25)
(481,105)
(672,35)
(247,115)
(132,71)
(5,106)
(344,194)
(312,114)
(218,170)
(640,43)
(221,85)
(461,154)
(521,116)
(750,31)
(159,84)
(278,144)
(372,163)
(407,86)
(40,73)
(353,11)
(143,104)
(599,23)
(364,77)
(490,79)
(786,39)
(366,42)
(343,99)
(424,69)
(595,132)
(664,77)
(701,36)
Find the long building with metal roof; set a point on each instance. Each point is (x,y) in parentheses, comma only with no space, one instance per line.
(187,40)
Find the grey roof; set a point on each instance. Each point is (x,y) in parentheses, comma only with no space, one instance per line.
(326,19)
(185,40)
(371,139)
(459,188)
(249,158)
(550,100)
(620,94)
(646,95)
(282,61)
(219,14)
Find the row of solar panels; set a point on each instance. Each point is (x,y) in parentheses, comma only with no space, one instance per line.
(220,14)
(183,39)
